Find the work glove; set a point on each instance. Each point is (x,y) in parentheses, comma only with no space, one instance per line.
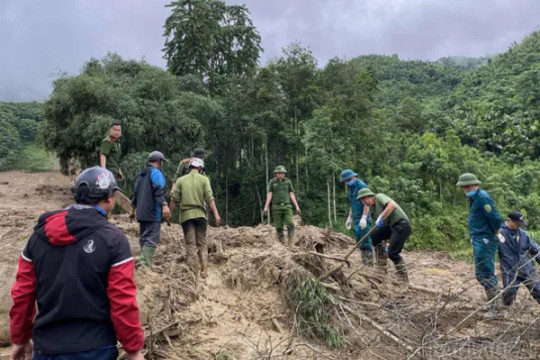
(380,221)
(363,222)
(132,214)
(265,211)
(348,223)
(501,238)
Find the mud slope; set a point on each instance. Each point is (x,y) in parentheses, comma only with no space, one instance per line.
(242,311)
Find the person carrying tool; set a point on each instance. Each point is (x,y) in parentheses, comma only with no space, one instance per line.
(192,192)
(183,166)
(484,225)
(149,205)
(516,255)
(110,151)
(392,225)
(281,194)
(358,214)
(78,268)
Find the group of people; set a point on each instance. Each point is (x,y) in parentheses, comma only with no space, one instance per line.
(79,268)
(489,236)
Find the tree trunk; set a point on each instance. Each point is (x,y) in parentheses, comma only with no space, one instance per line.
(307,171)
(227,198)
(329,204)
(334,196)
(267,171)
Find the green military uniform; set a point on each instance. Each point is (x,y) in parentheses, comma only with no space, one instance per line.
(183,169)
(110,147)
(398,214)
(282,208)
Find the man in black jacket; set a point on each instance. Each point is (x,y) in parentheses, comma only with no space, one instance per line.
(79,270)
(149,203)
(516,254)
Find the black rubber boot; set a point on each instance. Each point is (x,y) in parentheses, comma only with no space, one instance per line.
(401,270)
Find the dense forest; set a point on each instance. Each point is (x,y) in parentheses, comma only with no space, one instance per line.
(409,128)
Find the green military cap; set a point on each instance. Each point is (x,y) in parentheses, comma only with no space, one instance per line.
(363,193)
(467,179)
(280,169)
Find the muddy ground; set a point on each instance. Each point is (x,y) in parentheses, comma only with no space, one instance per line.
(241,310)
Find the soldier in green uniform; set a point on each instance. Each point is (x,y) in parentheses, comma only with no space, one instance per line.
(281,194)
(110,151)
(183,166)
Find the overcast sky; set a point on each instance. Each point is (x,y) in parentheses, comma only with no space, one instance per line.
(41,38)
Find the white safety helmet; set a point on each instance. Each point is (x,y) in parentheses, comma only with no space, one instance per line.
(196,163)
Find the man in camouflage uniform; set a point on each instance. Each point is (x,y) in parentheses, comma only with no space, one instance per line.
(281,194)
(183,166)
(110,151)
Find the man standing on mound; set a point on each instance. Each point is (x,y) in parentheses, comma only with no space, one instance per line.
(359,217)
(78,268)
(193,192)
(149,205)
(281,194)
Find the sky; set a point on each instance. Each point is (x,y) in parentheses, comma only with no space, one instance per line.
(41,39)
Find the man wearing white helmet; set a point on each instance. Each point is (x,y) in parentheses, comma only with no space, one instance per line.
(192,192)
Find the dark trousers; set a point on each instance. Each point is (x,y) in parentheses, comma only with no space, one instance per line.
(511,286)
(107,353)
(150,232)
(395,235)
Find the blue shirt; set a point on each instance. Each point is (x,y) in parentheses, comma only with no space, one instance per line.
(484,219)
(356,205)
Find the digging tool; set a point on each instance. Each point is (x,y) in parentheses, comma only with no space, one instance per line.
(340,266)
(123,201)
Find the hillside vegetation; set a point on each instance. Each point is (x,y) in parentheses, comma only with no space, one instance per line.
(409,128)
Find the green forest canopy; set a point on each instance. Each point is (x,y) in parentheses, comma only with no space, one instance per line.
(409,128)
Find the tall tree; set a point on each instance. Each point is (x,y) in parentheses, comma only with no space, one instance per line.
(211,39)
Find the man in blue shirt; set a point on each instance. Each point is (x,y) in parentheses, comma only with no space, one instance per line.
(150,204)
(358,214)
(484,224)
(517,253)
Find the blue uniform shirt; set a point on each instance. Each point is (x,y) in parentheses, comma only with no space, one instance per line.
(484,219)
(356,205)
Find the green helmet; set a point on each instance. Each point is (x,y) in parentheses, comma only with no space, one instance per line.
(467,179)
(363,193)
(280,169)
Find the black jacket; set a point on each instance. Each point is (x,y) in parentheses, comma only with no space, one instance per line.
(79,270)
(149,194)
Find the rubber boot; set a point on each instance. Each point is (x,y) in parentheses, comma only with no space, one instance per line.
(382,258)
(367,257)
(203,260)
(280,236)
(291,239)
(147,255)
(493,307)
(219,247)
(401,270)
